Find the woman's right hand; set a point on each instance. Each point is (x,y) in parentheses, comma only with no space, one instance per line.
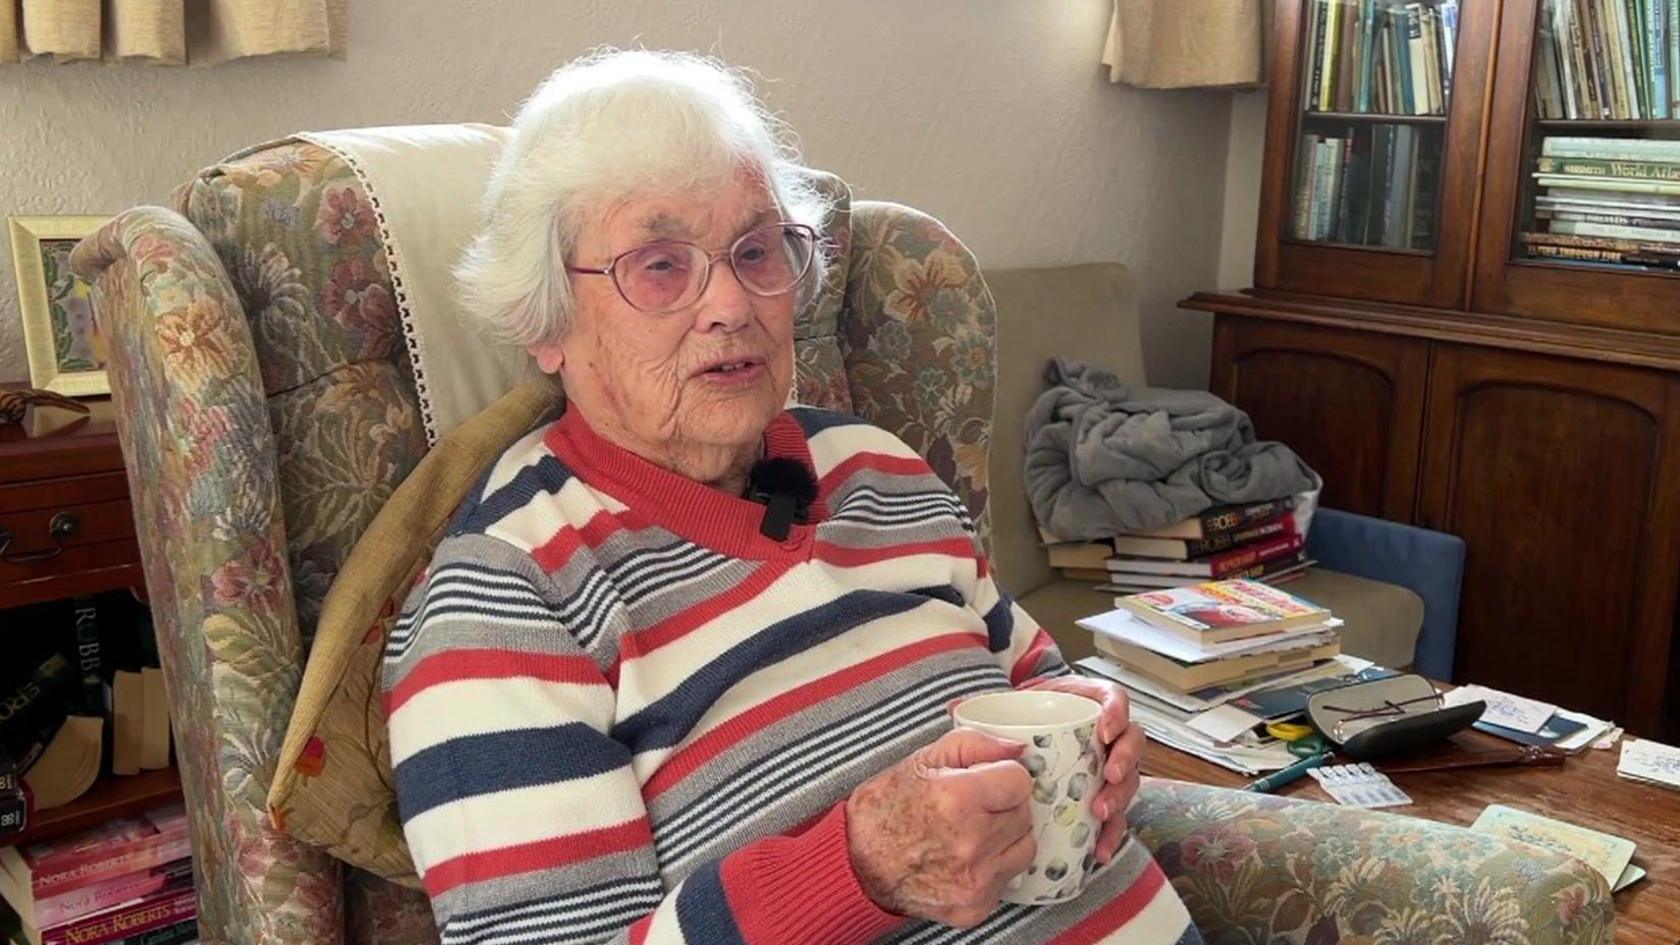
(940,834)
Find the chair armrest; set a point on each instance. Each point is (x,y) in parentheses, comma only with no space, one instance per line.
(1429,563)
(1260,868)
(200,457)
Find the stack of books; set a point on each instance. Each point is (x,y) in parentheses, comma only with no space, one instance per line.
(1261,541)
(1207,666)
(1607,200)
(125,882)
(1369,185)
(1608,59)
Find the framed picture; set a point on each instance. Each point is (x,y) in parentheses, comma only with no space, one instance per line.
(66,352)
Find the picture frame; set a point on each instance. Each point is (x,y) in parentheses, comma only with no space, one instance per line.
(67,354)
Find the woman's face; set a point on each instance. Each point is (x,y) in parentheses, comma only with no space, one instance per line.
(690,389)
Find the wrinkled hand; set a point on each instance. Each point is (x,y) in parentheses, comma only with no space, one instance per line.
(940,834)
(1124,742)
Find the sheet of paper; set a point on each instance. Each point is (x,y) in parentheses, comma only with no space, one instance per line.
(1595,728)
(1608,855)
(1503,708)
(1653,762)
(1224,723)
(1124,626)
(1631,875)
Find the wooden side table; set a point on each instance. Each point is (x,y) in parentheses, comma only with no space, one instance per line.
(66,528)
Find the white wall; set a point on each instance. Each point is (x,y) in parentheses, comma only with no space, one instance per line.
(993,116)
(1242,190)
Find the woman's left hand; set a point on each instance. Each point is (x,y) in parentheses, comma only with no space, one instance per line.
(1124,742)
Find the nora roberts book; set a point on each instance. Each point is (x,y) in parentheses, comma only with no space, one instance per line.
(1221,611)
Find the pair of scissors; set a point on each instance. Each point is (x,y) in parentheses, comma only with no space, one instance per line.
(1302,740)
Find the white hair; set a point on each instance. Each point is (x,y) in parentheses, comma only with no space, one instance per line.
(602,128)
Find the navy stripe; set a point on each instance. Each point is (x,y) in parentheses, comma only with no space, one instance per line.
(547,474)
(666,722)
(944,592)
(814,420)
(502,761)
(703,911)
(1000,624)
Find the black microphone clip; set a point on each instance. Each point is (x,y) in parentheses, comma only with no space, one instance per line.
(787,489)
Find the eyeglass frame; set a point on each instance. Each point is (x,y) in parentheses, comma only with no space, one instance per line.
(610,269)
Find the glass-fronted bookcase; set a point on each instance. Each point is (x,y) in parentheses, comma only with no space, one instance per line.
(1504,156)
(1582,215)
(1466,316)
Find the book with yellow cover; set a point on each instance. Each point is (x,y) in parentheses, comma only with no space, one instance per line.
(1221,611)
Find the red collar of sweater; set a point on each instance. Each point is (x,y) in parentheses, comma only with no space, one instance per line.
(725,523)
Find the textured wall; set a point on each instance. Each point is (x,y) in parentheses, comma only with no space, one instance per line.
(991,115)
(1242,189)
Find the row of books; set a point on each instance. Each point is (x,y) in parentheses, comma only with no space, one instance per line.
(1607,200)
(1260,540)
(128,881)
(1380,56)
(1371,185)
(83,698)
(1609,59)
(1208,666)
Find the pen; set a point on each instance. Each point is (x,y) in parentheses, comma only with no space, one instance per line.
(1277,779)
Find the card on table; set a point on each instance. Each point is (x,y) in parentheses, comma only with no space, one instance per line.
(1650,762)
(1505,709)
(1608,855)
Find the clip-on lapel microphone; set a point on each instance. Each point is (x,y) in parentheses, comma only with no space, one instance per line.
(787,489)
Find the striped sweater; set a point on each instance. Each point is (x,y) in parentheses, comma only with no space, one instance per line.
(619,713)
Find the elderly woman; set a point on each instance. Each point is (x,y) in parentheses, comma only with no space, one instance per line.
(627,707)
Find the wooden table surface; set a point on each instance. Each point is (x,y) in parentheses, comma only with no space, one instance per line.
(1584,790)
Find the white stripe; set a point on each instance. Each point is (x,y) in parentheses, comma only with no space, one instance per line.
(644,570)
(838,444)
(573,915)
(468,707)
(524,452)
(639,679)
(583,931)
(672,578)
(480,823)
(679,836)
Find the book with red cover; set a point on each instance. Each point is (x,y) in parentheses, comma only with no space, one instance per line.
(1220,611)
(74,904)
(116,848)
(1216,566)
(163,908)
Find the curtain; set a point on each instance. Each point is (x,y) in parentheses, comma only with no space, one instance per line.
(172,32)
(1180,44)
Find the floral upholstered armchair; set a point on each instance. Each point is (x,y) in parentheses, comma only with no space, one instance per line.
(268,408)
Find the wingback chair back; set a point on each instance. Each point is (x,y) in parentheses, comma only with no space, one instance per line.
(267,409)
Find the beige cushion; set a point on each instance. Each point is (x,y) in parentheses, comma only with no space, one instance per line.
(333,786)
(1383,620)
(1086,311)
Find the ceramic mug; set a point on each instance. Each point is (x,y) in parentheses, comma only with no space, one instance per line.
(1065,759)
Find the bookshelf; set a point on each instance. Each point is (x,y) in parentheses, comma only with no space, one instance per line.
(1466,315)
(110,798)
(56,466)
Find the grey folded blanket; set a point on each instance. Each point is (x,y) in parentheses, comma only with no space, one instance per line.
(1104,458)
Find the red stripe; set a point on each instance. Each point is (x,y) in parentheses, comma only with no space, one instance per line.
(1120,910)
(547,854)
(845,557)
(708,746)
(640,643)
(879,462)
(458,665)
(1024,666)
(639,929)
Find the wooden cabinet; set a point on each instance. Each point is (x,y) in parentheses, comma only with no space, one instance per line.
(1561,477)
(66,529)
(1349,402)
(1466,315)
